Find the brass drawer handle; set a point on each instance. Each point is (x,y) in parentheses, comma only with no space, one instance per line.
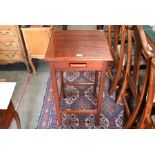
(4,33)
(77,65)
(11,55)
(7,44)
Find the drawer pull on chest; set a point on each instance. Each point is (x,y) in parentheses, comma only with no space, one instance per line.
(77,65)
(4,33)
(7,44)
(11,55)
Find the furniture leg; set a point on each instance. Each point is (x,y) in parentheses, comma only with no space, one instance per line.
(27,66)
(64,27)
(62,84)
(17,120)
(100,27)
(96,82)
(55,91)
(16,116)
(100,96)
(32,65)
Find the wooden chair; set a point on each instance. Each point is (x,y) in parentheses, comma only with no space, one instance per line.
(8,114)
(116,38)
(133,90)
(146,120)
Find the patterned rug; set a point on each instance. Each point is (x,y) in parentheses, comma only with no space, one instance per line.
(80,97)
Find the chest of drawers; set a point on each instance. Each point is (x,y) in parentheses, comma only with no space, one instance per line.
(12,47)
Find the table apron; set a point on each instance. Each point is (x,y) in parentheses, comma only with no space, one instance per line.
(80,65)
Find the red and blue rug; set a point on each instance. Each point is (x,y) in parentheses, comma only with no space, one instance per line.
(80,98)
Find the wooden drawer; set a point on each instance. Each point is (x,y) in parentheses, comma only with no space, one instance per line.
(15,55)
(9,45)
(7,32)
(80,65)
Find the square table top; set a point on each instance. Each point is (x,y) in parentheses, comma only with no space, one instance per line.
(78,45)
(6,92)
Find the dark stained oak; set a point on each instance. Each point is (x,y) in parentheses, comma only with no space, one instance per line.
(78,51)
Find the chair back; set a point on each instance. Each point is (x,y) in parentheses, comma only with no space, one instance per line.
(145,120)
(116,40)
(136,79)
